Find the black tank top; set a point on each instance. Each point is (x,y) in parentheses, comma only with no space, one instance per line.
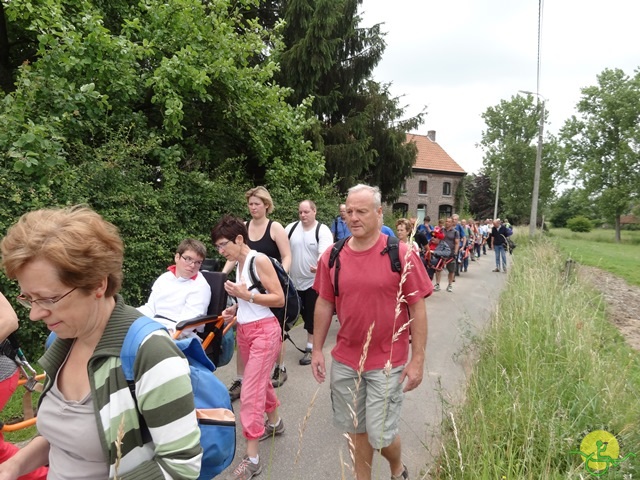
(266,244)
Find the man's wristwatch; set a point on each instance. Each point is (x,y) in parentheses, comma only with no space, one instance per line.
(251,298)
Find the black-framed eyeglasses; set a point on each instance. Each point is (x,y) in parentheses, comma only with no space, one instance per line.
(222,245)
(46,303)
(191,261)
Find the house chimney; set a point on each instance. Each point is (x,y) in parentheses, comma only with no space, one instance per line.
(431,135)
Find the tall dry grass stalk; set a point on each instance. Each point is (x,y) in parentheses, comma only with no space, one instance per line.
(119,438)
(303,425)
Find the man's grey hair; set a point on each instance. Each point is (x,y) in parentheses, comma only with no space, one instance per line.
(375,191)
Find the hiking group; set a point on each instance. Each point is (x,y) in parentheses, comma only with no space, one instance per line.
(132,428)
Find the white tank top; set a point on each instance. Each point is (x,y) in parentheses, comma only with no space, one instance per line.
(250,312)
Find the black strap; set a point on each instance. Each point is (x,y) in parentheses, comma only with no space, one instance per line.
(295,225)
(288,337)
(255,283)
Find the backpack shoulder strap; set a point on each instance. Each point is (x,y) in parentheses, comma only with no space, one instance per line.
(253,276)
(318,233)
(393,250)
(137,332)
(334,259)
(295,225)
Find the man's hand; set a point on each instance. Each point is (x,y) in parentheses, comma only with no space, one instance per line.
(413,372)
(317,365)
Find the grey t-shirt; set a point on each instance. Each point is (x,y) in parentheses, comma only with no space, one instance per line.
(70,428)
(450,237)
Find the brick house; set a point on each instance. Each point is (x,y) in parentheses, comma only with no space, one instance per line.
(432,186)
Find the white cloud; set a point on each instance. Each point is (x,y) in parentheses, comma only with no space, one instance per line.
(460,57)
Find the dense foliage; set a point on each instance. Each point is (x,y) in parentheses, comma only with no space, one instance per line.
(158,115)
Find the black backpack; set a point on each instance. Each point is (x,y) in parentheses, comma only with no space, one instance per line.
(392,249)
(288,314)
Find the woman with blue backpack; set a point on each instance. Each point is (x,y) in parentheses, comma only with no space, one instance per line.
(92,422)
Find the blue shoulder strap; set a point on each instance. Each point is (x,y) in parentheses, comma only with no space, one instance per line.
(138,331)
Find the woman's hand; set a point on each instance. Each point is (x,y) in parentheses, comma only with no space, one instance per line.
(229,312)
(238,290)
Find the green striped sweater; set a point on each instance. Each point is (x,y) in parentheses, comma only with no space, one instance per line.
(163,393)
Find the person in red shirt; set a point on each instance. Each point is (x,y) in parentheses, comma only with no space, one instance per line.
(366,308)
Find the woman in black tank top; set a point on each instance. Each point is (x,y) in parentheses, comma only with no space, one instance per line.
(266,244)
(266,236)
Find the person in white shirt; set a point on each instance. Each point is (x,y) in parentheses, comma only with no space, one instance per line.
(182,292)
(308,239)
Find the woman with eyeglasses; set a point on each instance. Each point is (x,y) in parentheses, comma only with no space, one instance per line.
(259,339)
(182,292)
(68,264)
(268,237)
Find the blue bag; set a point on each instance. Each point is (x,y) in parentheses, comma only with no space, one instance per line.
(213,405)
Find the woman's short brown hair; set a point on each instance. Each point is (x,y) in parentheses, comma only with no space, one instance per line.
(263,194)
(82,246)
(406,223)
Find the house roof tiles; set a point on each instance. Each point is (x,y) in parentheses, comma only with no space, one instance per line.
(432,156)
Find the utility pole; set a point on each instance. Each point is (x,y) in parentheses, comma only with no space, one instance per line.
(536,176)
(495,208)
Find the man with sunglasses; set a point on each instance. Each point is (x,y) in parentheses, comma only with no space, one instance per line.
(182,292)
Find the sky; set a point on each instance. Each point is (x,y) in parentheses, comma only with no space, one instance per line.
(459,57)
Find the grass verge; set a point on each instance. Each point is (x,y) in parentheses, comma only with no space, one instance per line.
(590,249)
(550,369)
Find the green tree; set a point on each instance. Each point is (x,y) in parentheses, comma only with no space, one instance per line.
(156,114)
(480,193)
(602,144)
(509,143)
(181,71)
(329,57)
(573,202)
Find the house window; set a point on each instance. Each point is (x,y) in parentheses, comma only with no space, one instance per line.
(446,188)
(422,187)
(400,209)
(403,187)
(445,211)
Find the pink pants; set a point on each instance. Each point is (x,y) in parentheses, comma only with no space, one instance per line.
(8,450)
(259,346)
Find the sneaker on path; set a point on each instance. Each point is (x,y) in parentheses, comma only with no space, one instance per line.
(235,389)
(495,270)
(306,358)
(403,476)
(279,376)
(271,431)
(245,470)
(450,288)
(436,287)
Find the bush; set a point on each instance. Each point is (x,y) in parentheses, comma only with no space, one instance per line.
(579,224)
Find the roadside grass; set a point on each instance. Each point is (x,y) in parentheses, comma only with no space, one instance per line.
(549,370)
(597,249)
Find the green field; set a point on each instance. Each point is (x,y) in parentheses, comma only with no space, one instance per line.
(598,249)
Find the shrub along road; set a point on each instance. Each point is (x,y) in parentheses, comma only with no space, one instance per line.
(321,450)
